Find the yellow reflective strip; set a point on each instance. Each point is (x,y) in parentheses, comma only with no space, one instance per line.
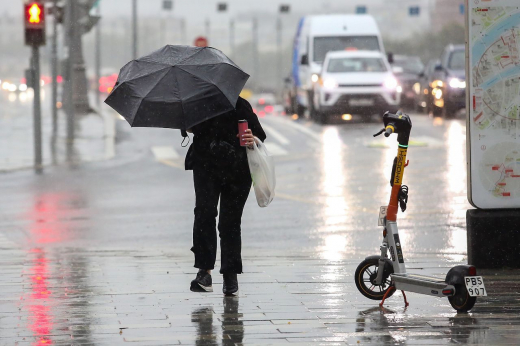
(399,167)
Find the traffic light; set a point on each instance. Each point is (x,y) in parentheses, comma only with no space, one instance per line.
(34,23)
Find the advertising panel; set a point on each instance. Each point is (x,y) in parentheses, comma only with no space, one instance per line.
(493,103)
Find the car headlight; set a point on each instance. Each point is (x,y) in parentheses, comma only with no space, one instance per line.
(437,84)
(391,83)
(330,83)
(315,78)
(457,83)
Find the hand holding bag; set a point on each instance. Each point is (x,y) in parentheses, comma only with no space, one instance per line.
(261,166)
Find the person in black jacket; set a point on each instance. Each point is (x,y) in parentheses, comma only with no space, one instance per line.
(220,171)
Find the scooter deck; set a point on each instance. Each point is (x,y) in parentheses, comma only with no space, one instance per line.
(420,284)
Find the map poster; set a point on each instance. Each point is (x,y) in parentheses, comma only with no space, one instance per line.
(493,103)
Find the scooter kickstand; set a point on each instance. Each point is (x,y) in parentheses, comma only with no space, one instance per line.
(406,304)
(390,289)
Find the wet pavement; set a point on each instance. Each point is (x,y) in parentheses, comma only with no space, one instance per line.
(94,134)
(98,253)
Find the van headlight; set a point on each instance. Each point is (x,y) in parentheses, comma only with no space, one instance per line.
(315,78)
(391,83)
(457,83)
(330,83)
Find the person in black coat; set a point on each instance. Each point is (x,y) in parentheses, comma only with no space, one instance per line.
(220,172)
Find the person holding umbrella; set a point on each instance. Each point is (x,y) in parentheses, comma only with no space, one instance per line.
(221,173)
(197,89)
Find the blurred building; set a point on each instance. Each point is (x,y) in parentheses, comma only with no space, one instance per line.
(447,12)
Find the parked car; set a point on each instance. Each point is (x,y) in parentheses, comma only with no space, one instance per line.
(427,88)
(355,82)
(452,73)
(407,70)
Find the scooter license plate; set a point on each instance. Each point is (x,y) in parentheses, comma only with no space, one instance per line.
(475,286)
(382,215)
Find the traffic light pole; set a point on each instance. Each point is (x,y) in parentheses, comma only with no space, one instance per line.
(134,29)
(38,164)
(54,71)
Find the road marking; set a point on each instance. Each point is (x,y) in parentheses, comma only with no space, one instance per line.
(275,150)
(298,127)
(276,135)
(171,163)
(164,153)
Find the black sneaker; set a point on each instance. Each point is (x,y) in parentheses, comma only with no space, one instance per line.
(202,282)
(230,287)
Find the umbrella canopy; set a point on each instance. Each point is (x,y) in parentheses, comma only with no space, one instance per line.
(177,87)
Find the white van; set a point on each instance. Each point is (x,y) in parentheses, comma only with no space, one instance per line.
(318,35)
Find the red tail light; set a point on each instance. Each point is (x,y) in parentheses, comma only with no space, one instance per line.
(472,271)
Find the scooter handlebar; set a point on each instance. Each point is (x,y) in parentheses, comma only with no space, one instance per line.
(389,130)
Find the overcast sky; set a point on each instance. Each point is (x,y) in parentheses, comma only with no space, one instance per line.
(196,7)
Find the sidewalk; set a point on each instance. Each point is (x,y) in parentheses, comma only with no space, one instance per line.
(94,137)
(113,297)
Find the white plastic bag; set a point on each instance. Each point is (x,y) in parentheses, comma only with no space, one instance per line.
(261,166)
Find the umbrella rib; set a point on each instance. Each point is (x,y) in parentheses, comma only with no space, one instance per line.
(180,97)
(216,86)
(191,56)
(142,99)
(160,80)
(146,75)
(223,62)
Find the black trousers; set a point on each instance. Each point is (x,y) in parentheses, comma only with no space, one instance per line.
(232,190)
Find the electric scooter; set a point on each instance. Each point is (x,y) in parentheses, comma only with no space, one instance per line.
(378,277)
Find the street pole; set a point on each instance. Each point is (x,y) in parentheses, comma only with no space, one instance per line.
(255,48)
(232,37)
(208,29)
(54,70)
(38,164)
(134,28)
(279,44)
(183,31)
(70,76)
(98,57)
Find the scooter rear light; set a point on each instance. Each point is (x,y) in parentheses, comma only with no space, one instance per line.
(472,271)
(447,292)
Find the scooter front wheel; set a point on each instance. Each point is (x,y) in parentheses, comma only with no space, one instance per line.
(365,277)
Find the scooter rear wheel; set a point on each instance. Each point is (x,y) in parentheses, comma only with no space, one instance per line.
(462,301)
(365,276)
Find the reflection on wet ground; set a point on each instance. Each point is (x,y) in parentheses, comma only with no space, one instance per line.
(99,255)
(89,297)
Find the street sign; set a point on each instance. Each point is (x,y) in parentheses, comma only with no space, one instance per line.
(201,41)
(167,5)
(34,22)
(414,11)
(285,8)
(493,103)
(361,9)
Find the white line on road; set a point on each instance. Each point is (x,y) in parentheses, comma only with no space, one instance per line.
(164,153)
(275,150)
(298,127)
(276,135)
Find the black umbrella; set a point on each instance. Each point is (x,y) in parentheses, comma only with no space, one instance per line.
(177,87)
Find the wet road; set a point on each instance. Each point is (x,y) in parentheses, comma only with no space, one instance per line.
(98,253)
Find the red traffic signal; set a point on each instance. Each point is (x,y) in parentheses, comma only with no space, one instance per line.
(34,23)
(34,15)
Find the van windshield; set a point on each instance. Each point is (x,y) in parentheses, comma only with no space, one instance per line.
(323,45)
(345,65)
